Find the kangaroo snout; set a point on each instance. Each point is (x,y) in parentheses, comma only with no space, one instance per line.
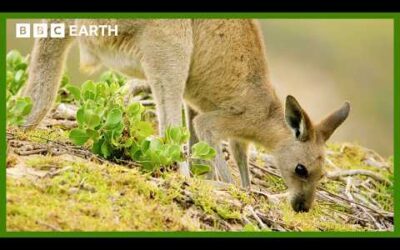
(299,204)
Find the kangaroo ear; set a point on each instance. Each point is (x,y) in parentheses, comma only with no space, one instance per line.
(297,119)
(328,125)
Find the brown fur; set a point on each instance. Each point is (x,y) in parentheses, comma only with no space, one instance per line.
(218,67)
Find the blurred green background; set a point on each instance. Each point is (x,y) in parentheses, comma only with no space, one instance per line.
(322,63)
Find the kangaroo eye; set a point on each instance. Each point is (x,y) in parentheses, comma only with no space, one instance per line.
(301,171)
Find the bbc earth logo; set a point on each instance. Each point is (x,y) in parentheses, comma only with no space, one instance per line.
(59,30)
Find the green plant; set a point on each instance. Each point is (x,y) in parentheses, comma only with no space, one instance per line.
(64,94)
(112,76)
(17,107)
(119,131)
(67,89)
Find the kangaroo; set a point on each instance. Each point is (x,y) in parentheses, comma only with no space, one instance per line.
(217,70)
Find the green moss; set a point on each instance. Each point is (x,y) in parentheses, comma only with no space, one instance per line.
(42,135)
(332,186)
(382,194)
(204,197)
(242,196)
(45,162)
(92,197)
(317,219)
(274,184)
(353,156)
(250,228)
(89,196)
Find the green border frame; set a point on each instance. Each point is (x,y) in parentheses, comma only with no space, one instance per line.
(282,15)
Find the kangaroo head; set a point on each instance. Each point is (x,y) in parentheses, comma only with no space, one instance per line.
(301,156)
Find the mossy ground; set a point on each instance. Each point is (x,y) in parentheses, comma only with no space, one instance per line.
(353,156)
(68,193)
(108,197)
(92,197)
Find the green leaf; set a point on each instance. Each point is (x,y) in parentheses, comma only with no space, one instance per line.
(96,148)
(128,142)
(145,145)
(105,149)
(65,80)
(106,76)
(114,87)
(13,57)
(88,86)
(89,95)
(135,152)
(178,135)
(28,106)
(88,90)
(154,157)
(75,91)
(135,109)
(164,158)
(78,136)
(22,106)
(114,117)
(19,76)
(116,135)
(21,66)
(93,134)
(91,119)
(102,90)
(148,165)
(92,105)
(173,134)
(143,129)
(155,144)
(15,120)
(202,150)
(174,151)
(80,116)
(200,169)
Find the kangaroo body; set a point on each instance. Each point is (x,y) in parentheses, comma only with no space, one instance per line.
(217,69)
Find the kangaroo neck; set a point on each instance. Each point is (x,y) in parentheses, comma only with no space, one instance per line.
(268,118)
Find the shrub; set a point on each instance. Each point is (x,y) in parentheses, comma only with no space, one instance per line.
(117,130)
(17,107)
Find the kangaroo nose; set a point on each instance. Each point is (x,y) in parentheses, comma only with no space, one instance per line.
(299,205)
